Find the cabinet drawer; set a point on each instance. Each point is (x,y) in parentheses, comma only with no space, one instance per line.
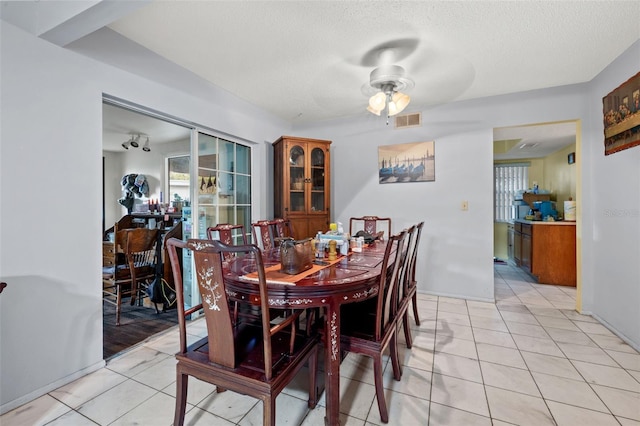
(526,229)
(108,253)
(517,226)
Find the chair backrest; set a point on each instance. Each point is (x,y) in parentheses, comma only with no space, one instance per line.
(138,245)
(208,272)
(414,254)
(405,263)
(227,233)
(174,232)
(370,224)
(125,222)
(263,234)
(282,228)
(387,303)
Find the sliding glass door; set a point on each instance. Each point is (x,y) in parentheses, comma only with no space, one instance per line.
(223,184)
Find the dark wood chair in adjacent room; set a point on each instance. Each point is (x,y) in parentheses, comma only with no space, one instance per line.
(369,327)
(129,278)
(371,225)
(258,359)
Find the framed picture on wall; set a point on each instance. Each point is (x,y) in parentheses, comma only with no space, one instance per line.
(621,115)
(407,162)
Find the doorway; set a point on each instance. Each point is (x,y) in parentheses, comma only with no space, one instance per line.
(552,153)
(138,143)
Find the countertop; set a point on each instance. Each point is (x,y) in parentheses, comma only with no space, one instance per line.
(544,222)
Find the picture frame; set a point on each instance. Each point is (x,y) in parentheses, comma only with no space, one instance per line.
(621,116)
(571,158)
(408,162)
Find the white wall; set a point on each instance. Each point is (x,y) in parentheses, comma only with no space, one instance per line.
(456,250)
(611,216)
(50,228)
(456,253)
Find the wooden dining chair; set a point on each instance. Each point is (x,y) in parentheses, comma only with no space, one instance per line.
(268,233)
(228,234)
(407,288)
(282,228)
(263,235)
(369,327)
(256,359)
(139,269)
(371,225)
(413,282)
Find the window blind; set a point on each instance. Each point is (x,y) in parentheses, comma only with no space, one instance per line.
(509,179)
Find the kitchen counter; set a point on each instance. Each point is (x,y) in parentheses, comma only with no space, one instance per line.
(544,222)
(546,250)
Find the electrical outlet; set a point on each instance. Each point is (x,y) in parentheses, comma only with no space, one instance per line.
(464,206)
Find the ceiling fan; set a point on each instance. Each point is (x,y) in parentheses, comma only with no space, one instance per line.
(388,81)
(395,73)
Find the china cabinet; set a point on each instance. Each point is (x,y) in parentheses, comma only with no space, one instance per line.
(302,184)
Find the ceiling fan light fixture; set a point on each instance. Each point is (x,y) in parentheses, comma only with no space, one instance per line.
(377,102)
(146,147)
(401,100)
(389,80)
(374,111)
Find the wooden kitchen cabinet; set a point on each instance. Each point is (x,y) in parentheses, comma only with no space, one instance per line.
(547,251)
(525,260)
(510,242)
(517,243)
(301,189)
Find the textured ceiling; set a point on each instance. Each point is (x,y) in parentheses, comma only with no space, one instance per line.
(308,60)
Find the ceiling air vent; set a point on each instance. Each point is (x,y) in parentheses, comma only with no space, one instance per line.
(529,145)
(408,120)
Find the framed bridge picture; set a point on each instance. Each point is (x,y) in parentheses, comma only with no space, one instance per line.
(408,162)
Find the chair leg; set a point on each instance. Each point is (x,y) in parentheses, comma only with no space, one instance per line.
(395,357)
(118,303)
(134,292)
(414,299)
(313,374)
(407,331)
(377,373)
(181,398)
(269,409)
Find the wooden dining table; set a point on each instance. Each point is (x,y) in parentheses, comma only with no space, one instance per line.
(352,278)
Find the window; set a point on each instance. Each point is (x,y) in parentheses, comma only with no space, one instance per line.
(223,184)
(509,179)
(179,172)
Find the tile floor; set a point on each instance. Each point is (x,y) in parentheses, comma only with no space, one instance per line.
(528,359)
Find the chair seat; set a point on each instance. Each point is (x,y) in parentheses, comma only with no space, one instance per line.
(249,355)
(142,272)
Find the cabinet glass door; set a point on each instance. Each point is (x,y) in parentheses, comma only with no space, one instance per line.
(317,179)
(296,179)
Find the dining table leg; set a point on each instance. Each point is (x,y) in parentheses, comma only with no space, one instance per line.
(332,363)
